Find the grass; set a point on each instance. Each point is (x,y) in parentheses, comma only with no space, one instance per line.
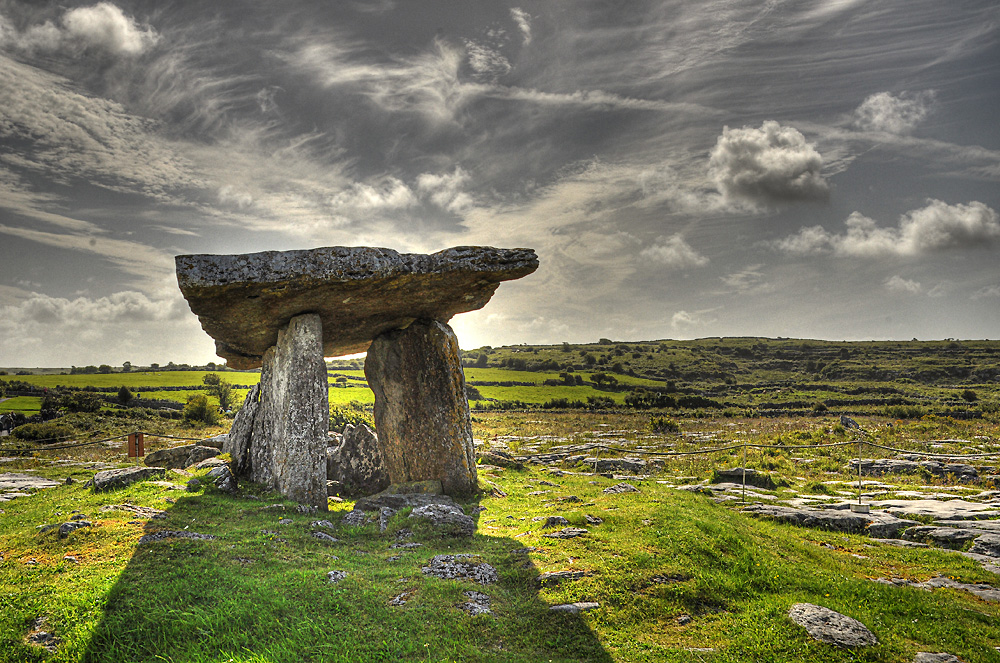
(27,404)
(258,592)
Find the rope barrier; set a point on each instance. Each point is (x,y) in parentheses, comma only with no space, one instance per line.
(933,455)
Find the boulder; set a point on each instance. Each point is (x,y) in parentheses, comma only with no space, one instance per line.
(200,453)
(109,479)
(217,442)
(242,301)
(421,413)
(449,517)
(356,462)
(575,608)
(172,458)
(946,537)
(237,443)
(499,459)
(831,627)
(616,464)
(987,544)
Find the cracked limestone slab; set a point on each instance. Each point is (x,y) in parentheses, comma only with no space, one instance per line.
(358,292)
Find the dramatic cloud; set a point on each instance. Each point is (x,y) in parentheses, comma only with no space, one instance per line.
(900,285)
(674,253)
(766,166)
(102,28)
(446,190)
(523,20)
(896,115)
(936,227)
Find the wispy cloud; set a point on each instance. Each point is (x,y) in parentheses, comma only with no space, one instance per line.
(894,114)
(674,253)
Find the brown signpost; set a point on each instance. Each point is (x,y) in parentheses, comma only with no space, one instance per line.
(135,445)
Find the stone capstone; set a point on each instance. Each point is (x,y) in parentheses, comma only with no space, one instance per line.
(355,463)
(831,627)
(421,413)
(242,301)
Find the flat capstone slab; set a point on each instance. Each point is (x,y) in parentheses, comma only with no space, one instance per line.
(359,292)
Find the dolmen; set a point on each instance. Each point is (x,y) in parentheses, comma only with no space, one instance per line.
(284,311)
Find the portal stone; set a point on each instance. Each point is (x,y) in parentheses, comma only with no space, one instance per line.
(280,440)
(421,413)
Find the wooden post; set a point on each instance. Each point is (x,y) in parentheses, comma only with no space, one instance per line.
(139,444)
(131,445)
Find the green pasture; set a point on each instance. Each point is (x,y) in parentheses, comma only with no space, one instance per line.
(26,404)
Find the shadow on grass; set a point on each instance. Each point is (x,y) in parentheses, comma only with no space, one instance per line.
(259,591)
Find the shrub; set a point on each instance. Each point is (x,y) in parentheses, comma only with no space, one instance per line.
(352,413)
(199,411)
(124,395)
(46,432)
(664,425)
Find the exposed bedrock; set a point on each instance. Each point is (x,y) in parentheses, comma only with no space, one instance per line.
(421,413)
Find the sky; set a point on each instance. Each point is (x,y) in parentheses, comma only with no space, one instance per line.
(822,169)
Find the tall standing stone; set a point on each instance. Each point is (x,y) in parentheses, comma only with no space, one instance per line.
(421,412)
(288,443)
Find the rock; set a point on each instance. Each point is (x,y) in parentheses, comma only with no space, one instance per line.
(620,488)
(881,466)
(200,453)
(359,292)
(927,657)
(736,475)
(616,464)
(356,518)
(193,485)
(876,524)
(478,603)
(499,458)
(831,627)
(594,520)
(986,544)
(425,431)
(946,537)
(210,463)
(566,533)
(555,521)
(224,479)
(356,463)
(67,528)
(108,479)
(173,534)
(575,608)
(683,620)
(141,511)
(333,577)
(450,517)
(237,443)
(172,458)
(217,442)
(399,501)
(12,481)
(325,538)
(322,523)
(954,509)
(461,567)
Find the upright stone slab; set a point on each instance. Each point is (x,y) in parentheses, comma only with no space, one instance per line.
(421,413)
(288,444)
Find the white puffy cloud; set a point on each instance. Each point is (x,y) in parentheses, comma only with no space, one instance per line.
(673,252)
(896,115)
(523,21)
(773,164)
(100,28)
(936,227)
(898,284)
(682,320)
